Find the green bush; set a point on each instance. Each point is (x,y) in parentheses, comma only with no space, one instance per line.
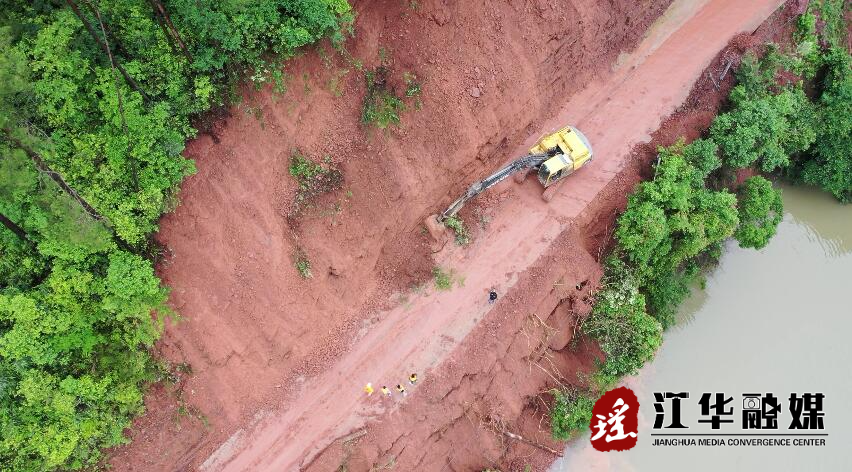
(314,179)
(619,323)
(764,130)
(459,229)
(760,210)
(668,289)
(778,127)
(832,13)
(381,106)
(674,216)
(570,415)
(804,60)
(828,164)
(413,87)
(702,154)
(302,263)
(443,279)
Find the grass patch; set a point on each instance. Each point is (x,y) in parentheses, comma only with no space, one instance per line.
(381,105)
(302,263)
(185,410)
(335,84)
(460,230)
(280,79)
(349,58)
(314,179)
(443,279)
(413,88)
(306,80)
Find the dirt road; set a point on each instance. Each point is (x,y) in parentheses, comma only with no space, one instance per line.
(414,337)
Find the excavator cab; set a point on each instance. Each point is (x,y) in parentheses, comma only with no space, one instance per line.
(572,152)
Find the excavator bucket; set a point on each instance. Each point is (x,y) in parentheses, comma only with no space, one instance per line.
(437,231)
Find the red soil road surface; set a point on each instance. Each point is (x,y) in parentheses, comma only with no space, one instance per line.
(615,114)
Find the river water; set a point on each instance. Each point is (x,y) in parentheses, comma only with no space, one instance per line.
(776,320)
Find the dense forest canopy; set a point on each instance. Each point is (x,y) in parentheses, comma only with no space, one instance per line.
(96,102)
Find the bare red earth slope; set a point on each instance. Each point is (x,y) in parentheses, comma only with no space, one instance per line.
(252,330)
(279,362)
(615,114)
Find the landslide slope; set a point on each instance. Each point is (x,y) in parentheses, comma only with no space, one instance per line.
(253,330)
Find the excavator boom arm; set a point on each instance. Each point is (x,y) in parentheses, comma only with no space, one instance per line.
(524,163)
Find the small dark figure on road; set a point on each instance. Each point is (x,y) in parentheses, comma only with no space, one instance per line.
(400,389)
(385,391)
(412,379)
(492,296)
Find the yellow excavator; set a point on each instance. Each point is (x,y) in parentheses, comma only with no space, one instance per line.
(554,157)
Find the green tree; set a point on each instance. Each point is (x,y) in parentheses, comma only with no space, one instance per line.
(675,216)
(619,323)
(760,210)
(672,220)
(764,130)
(96,101)
(703,154)
(773,126)
(73,361)
(829,162)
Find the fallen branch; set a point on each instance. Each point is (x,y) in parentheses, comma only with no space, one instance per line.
(715,84)
(549,373)
(354,436)
(531,443)
(727,66)
(578,322)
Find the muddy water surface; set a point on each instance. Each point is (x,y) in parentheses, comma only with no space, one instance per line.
(776,320)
